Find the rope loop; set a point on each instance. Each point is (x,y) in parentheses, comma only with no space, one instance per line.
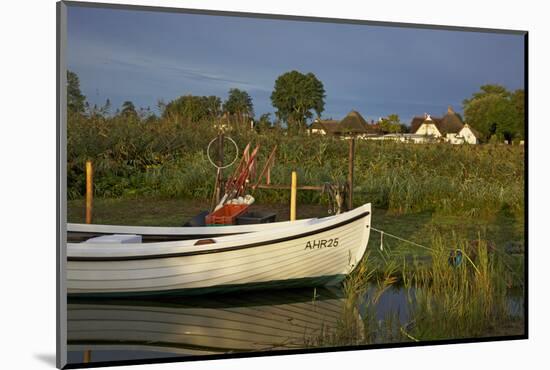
(210,159)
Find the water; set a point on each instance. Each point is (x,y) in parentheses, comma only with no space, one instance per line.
(124,329)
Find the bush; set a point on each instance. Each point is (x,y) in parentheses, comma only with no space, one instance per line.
(167,157)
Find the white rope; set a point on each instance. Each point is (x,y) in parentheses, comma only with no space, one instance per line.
(234,159)
(398,238)
(423,246)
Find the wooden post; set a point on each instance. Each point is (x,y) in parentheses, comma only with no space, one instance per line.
(293,190)
(89,191)
(219,177)
(350,172)
(87,356)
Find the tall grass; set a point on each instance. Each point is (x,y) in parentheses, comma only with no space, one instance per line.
(168,159)
(469,300)
(444,301)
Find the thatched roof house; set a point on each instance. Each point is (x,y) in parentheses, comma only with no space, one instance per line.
(450,128)
(450,123)
(352,124)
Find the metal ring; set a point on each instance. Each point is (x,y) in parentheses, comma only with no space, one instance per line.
(210,159)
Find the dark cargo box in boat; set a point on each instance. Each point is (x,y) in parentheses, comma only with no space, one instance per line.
(256,217)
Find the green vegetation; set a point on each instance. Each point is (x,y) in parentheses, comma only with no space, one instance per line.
(167,159)
(392,124)
(192,109)
(497,113)
(136,153)
(470,300)
(75,100)
(151,170)
(239,105)
(295,96)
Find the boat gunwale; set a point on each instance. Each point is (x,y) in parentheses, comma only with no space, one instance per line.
(218,250)
(181,231)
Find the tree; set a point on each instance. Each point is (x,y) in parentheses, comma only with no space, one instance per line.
(264,122)
(128,109)
(495,111)
(96,111)
(193,108)
(239,104)
(518,100)
(75,100)
(295,96)
(391,124)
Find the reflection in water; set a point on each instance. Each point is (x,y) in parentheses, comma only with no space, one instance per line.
(260,321)
(122,329)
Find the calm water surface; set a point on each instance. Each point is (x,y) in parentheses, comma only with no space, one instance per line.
(111,330)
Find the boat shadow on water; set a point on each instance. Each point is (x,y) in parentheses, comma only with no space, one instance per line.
(202,325)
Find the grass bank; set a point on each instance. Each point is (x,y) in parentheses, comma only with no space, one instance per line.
(168,159)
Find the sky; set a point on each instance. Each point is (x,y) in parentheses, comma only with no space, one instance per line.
(144,56)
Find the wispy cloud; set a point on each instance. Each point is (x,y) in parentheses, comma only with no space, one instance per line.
(89,54)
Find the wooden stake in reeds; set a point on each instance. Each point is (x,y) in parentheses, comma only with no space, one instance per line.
(293,191)
(89,191)
(351,159)
(219,176)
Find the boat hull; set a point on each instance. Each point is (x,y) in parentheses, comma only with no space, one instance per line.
(319,254)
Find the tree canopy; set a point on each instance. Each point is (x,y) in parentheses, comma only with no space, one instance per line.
(128,109)
(193,108)
(75,100)
(391,124)
(296,96)
(239,104)
(495,111)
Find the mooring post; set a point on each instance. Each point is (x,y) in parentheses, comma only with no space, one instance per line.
(350,172)
(293,190)
(219,177)
(89,191)
(89,206)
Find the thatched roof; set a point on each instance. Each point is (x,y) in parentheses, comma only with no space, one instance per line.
(419,120)
(316,125)
(450,123)
(353,123)
(374,129)
(330,126)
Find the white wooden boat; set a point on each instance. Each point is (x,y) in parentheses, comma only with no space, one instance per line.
(321,252)
(81,232)
(256,321)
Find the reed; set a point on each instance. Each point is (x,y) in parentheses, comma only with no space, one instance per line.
(464,301)
(444,301)
(358,323)
(167,159)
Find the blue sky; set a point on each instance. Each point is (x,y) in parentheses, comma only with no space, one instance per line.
(146,56)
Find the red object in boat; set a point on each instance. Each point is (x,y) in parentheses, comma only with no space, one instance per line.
(227,215)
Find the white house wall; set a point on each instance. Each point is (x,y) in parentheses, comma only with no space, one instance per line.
(428,129)
(468,135)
